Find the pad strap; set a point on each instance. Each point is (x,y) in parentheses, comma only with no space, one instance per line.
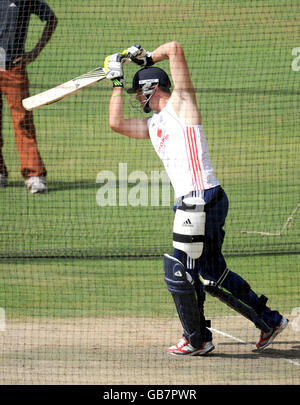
(261,304)
(177,237)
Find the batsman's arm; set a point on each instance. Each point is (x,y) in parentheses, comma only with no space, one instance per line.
(178,65)
(131,127)
(183,97)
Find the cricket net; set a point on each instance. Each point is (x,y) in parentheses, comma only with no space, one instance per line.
(92,246)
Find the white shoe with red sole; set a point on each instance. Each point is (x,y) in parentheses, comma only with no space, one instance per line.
(266,339)
(184,348)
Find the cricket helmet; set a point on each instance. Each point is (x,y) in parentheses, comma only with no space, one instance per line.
(148,76)
(147,80)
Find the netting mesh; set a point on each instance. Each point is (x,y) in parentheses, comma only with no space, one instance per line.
(240,59)
(61,247)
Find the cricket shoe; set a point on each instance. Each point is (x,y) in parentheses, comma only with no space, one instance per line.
(36,184)
(184,348)
(267,338)
(3,181)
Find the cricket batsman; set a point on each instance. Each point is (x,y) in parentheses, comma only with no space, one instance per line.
(176,132)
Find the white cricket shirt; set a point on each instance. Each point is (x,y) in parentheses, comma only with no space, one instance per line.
(183,151)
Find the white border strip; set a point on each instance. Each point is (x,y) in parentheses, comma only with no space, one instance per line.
(227,335)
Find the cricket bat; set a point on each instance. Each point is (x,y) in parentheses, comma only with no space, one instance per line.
(73,86)
(64,90)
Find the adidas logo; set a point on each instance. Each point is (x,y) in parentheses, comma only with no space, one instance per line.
(12,5)
(187,223)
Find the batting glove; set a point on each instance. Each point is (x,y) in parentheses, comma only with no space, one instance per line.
(140,56)
(114,69)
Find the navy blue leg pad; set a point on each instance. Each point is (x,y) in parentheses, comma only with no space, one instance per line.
(234,303)
(181,286)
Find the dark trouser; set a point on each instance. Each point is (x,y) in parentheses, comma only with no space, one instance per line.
(212,264)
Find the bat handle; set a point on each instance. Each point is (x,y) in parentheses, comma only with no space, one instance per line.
(125,60)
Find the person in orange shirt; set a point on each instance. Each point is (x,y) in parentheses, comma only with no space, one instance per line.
(14,84)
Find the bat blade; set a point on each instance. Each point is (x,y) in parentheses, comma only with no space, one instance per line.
(64,90)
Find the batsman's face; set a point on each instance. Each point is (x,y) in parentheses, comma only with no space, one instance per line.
(140,97)
(143,99)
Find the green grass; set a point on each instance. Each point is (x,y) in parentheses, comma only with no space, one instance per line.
(107,288)
(240,58)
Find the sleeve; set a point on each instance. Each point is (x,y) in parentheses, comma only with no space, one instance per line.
(41,9)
